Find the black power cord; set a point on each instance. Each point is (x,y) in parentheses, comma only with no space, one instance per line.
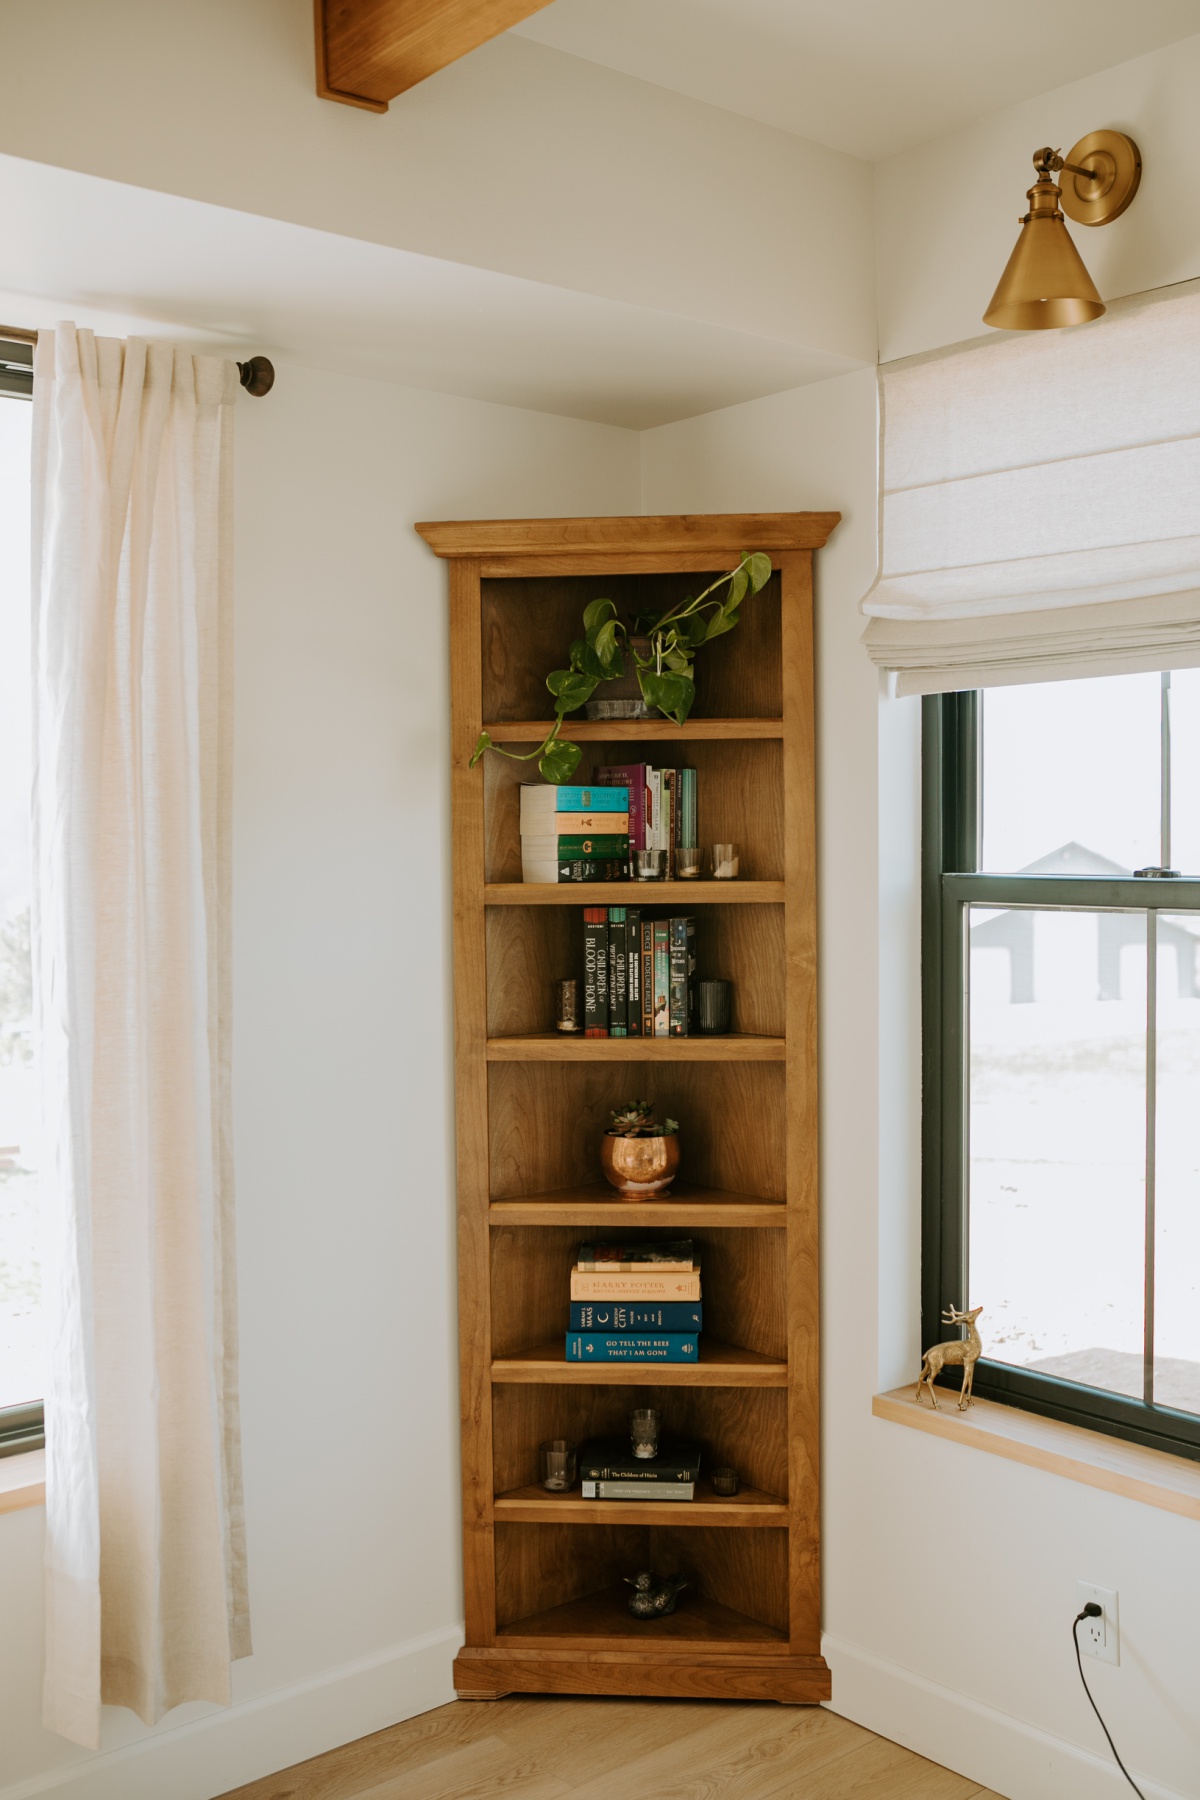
(1092,1611)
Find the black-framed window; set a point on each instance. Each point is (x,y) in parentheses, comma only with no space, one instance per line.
(1061,1049)
(21,1345)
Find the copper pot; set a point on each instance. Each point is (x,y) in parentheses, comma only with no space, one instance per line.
(639,1167)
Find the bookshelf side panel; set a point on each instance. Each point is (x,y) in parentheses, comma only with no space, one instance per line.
(471,1137)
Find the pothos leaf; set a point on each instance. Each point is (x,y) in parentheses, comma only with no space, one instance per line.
(560,761)
(737,588)
(720,623)
(584,658)
(596,612)
(758,568)
(570,689)
(605,645)
(483,743)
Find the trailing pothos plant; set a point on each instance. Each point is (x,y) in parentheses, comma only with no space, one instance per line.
(663,666)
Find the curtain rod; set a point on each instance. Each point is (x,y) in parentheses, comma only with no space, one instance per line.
(257,376)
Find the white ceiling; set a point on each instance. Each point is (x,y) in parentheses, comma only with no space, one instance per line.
(243,282)
(870,77)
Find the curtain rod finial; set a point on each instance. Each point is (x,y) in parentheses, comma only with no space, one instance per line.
(257,376)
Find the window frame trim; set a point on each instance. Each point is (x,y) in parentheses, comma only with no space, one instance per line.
(22,1428)
(951,759)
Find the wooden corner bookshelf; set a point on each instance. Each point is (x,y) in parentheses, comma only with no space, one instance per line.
(543,1574)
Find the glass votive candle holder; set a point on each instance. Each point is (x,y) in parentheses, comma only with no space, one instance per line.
(687,864)
(724,862)
(651,864)
(566,1005)
(725,1482)
(558,1465)
(714,1007)
(644,1427)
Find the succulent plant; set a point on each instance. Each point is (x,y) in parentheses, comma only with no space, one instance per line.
(636,1119)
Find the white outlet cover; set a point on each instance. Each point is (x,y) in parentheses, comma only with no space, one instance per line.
(1101,1637)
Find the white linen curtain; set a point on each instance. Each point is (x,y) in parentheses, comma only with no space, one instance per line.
(1040,503)
(145,1556)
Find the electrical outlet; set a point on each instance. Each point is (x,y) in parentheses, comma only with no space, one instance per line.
(1100,1637)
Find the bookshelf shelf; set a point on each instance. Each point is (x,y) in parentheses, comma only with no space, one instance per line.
(720,1365)
(544,1576)
(750,1509)
(646,731)
(604,1623)
(554,1046)
(641,893)
(684,1207)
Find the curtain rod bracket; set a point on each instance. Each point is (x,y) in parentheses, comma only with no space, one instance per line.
(257,376)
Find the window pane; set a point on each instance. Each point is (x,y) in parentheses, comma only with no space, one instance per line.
(1185,771)
(1177,1171)
(21,1350)
(1071,773)
(1057,1116)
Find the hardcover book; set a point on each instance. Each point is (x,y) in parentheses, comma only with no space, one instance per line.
(567,849)
(674,1258)
(670,779)
(639,1490)
(647,978)
(587,868)
(631,1346)
(552,825)
(633,973)
(611,1459)
(539,798)
(641,1287)
(631,776)
(595,971)
(688,837)
(683,973)
(613,1315)
(618,974)
(662,978)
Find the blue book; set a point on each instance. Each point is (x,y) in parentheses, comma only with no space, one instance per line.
(653,1315)
(629,1346)
(543,800)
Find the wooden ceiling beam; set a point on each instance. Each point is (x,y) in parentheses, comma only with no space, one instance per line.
(368,51)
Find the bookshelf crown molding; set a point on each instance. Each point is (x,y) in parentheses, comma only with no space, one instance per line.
(722,534)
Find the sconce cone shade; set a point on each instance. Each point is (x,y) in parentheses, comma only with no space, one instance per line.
(1045,284)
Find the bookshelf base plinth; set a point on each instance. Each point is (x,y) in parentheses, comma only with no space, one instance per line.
(791,1680)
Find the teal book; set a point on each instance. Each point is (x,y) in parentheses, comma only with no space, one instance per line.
(542,800)
(633,1346)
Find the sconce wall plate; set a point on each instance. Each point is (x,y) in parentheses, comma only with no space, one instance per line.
(1118,162)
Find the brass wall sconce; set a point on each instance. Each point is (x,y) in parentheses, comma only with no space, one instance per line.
(1045,284)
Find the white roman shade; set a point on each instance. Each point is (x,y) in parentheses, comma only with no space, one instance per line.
(1040,503)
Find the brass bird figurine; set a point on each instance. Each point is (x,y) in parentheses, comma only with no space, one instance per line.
(651,1598)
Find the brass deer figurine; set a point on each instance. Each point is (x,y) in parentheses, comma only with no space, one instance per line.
(965,1351)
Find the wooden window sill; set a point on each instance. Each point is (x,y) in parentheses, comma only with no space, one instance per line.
(1154,1477)
(22,1480)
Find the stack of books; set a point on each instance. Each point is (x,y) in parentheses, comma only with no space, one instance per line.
(635,1303)
(639,975)
(574,833)
(610,1471)
(662,809)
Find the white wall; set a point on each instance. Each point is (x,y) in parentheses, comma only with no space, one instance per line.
(343,1090)
(517,158)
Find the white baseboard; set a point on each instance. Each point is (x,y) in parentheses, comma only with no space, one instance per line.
(225,1749)
(1000,1752)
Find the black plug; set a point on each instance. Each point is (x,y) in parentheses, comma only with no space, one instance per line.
(1092,1611)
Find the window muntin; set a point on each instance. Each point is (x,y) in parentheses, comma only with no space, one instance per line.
(1061,1179)
(22,1350)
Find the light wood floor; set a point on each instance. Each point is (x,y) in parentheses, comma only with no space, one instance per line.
(546,1748)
